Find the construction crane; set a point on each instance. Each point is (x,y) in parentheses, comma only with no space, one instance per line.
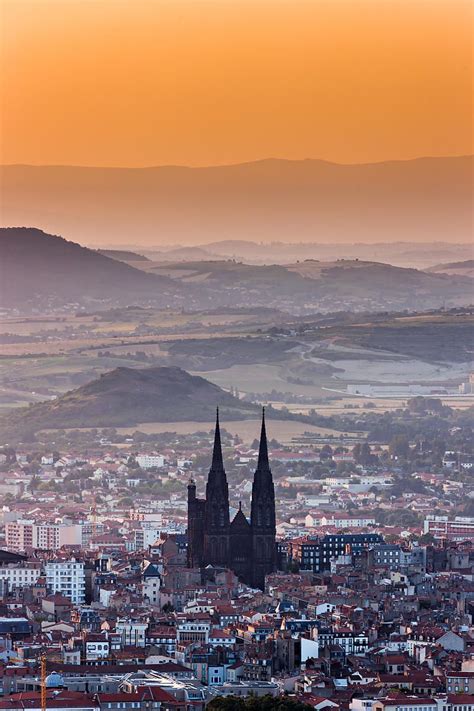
(94,518)
(43,682)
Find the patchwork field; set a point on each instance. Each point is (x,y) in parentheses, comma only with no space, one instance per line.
(302,364)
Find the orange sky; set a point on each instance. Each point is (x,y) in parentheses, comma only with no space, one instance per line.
(199,82)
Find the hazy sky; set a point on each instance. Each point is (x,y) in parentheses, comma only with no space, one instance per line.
(199,82)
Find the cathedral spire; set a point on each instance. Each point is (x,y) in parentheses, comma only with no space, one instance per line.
(217,459)
(262,515)
(263,463)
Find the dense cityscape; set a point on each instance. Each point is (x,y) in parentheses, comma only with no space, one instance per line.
(350,588)
(236,355)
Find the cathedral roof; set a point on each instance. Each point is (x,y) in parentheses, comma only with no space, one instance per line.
(240,521)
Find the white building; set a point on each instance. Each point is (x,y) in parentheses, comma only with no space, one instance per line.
(132,632)
(145,537)
(20,576)
(339,521)
(67,578)
(148,461)
(97,648)
(193,632)
(151,583)
(460,528)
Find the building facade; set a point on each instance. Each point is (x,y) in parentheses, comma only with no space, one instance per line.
(461,528)
(23,535)
(316,554)
(66,577)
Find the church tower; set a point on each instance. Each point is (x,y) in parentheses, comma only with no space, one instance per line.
(263,519)
(196,513)
(216,515)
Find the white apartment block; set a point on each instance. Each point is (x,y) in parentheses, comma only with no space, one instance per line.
(460,528)
(145,537)
(151,589)
(148,461)
(193,632)
(67,578)
(21,535)
(338,521)
(20,576)
(132,632)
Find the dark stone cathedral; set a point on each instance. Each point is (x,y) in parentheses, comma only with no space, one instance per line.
(246,547)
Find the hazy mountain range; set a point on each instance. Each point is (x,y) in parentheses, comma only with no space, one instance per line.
(38,270)
(428,199)
(42,269)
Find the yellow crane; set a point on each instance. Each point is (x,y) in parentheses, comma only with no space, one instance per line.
(43,682)
(94,518)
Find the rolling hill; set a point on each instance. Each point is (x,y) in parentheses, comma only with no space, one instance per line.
(38,269)
(351,285)
(428,199)
(123,255)
(41,271)
(464,268)
(127,397)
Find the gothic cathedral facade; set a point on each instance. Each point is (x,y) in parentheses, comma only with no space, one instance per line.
(246,547)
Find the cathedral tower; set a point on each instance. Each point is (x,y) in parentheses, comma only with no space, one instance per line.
(196,513)
(262,519)
(216,516)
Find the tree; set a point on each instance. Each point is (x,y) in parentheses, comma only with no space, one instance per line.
(399,447)
(363,454)
(255,703)
(326,452)
(34,483)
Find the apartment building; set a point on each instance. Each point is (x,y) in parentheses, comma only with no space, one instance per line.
(22,575)
(23,535)
(461,528)
(67,578)
(132,632)
(149,461)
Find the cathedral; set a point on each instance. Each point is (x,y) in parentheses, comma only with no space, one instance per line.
(245,546)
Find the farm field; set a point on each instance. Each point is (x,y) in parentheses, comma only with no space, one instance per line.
(347,404)
(282,430)
(301,364)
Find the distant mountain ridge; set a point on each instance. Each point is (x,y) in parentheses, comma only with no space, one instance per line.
(123,255)
(327,286)
(402,254)
(126,397)
(425,199)
(38,268)
(41,271)
(464,268)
